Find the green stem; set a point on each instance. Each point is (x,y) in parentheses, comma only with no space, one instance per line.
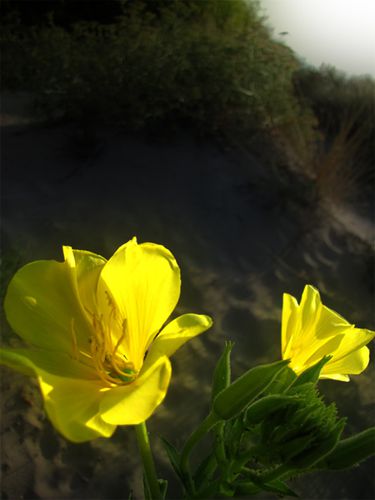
(219,443)
(148,461)
(198,434)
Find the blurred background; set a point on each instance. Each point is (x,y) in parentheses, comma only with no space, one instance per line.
(238,134)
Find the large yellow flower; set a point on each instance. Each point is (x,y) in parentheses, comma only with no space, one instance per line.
(311,331)
(97,345)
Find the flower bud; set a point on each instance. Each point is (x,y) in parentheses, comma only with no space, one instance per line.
(308,457)
(300,432)
(236,397)
(221,378)
(265,406)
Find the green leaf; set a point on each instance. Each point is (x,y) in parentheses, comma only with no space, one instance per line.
(235,398)
(312,373)
(205,471)
(221,378)
(350,451)
(174,457)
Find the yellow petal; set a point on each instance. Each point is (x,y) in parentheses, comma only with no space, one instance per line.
(42,307)
(134,403)
(73,407)
(330,323)
(299,320)
(342,345)
(335,376)
(310,303)
(353,364)
(288,322)
(28,361)
(354,339)
(328,335)
(318,349)
(86,270)
(143,281)
(176,333)
(309,310)
(71,392)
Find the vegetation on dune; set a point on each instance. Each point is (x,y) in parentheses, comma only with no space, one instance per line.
(211,65)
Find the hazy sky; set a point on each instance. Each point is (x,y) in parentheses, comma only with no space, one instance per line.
(336,32)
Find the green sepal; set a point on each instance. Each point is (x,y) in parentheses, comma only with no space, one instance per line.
(265,406)
(222,373)
(235,398)
(294,447)
(174,458)
(298,419)
(350,451)
(312,373)
(232,435)
(283,381)
(309,457)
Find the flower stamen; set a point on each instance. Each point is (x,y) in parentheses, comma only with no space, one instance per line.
(110,365)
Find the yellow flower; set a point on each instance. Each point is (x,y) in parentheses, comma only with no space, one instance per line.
(311,331)
(97,345)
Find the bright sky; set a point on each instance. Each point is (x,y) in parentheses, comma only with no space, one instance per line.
(336,32)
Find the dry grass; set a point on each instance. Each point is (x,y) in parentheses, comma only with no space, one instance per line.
(337,168)
(334,167)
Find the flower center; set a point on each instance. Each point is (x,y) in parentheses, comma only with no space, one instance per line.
(112,366)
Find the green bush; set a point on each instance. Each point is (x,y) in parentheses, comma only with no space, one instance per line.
(210,63)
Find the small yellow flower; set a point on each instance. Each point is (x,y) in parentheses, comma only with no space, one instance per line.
(97,345)
(311,331)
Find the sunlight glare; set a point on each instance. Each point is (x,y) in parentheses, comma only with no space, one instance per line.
(335,32)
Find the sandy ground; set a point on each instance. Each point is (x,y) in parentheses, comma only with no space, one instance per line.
(241,236)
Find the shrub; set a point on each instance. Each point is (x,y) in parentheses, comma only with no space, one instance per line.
(210,63)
